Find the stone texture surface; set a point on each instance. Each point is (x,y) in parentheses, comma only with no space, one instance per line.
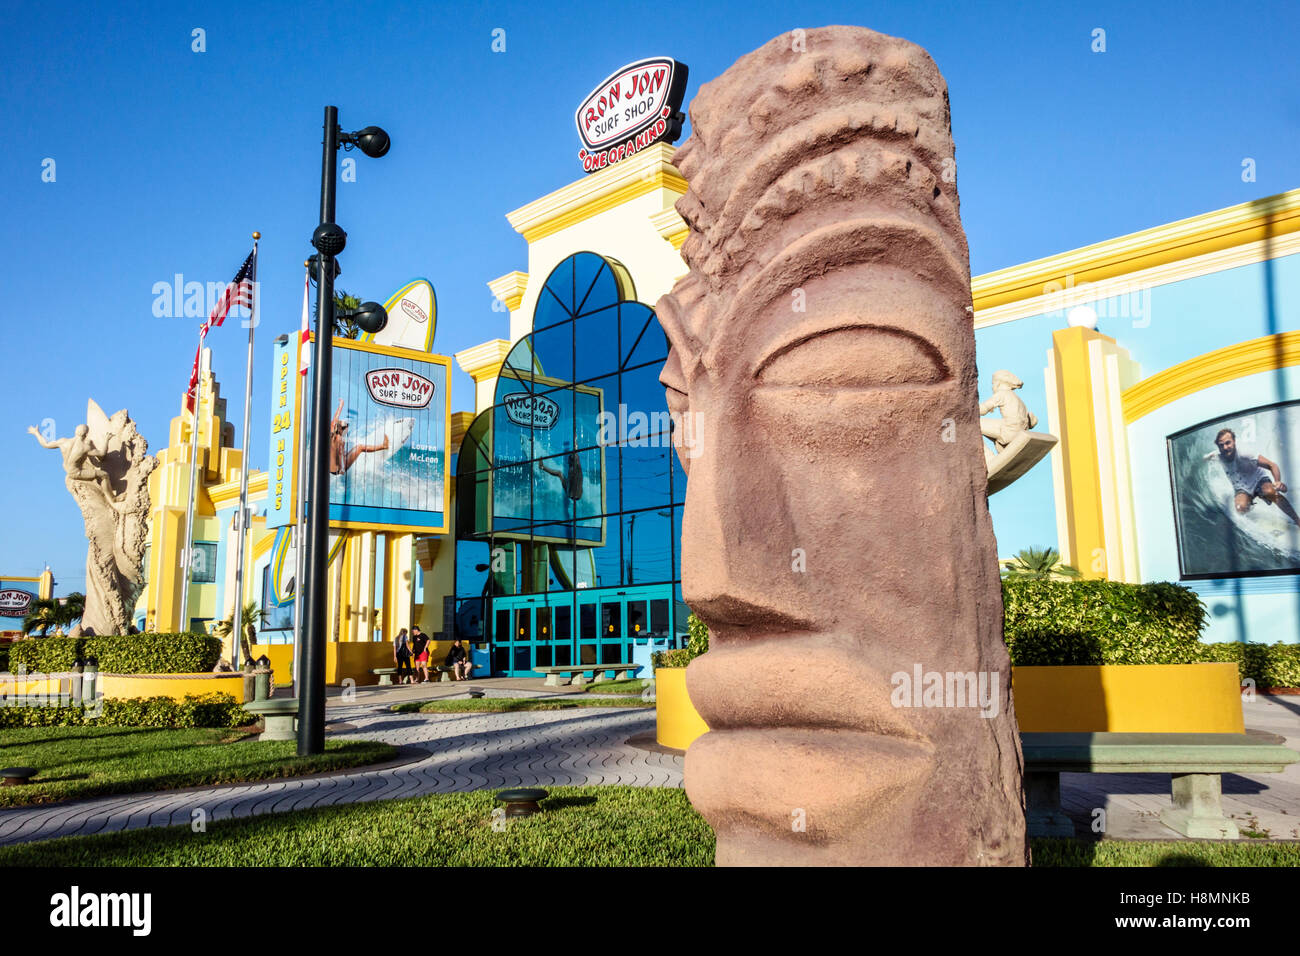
(836,530)
(106,470)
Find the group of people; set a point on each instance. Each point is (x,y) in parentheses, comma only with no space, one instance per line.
(411,654)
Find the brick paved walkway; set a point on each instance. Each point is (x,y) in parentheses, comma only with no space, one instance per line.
(453,752)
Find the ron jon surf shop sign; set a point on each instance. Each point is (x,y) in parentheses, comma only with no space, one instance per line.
(631,108)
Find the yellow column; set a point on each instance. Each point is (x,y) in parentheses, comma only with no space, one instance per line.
(1086,373)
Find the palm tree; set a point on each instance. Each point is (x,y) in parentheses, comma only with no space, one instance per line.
(1038,565)
(249,618)
(45,614)
(343,327)
(70,609)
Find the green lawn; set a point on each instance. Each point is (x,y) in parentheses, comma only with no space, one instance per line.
(581,826)
(1173,853)
(634,686)
(77,762)
(501,704)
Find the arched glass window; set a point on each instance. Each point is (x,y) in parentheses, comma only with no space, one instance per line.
(568,491)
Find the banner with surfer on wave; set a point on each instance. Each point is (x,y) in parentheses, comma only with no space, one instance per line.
(388,439)
(1234,504)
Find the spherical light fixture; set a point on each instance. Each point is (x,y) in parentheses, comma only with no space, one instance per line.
(1082,316)
(370,317)
(373,141)
(329,238)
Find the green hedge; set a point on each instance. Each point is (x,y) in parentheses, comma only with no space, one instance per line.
(696,644)
(1101,622)
(130,654)
(206,710)
(1268,665)
(4,657)
(1109,622)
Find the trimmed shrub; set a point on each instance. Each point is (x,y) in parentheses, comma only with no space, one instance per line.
(1268,665)
(1101,622)
(1109,622)
(206,710)
(696,644)
(4,656)
(128,654)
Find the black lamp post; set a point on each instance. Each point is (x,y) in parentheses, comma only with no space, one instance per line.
(329,241)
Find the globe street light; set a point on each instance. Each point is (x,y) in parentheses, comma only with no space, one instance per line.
(329,240)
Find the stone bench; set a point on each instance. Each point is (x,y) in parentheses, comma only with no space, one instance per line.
(447,671)
(1195,763)
(562,676)
(280,715)
(385,675)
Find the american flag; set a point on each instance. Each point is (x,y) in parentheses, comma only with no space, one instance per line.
(239,291)
(304,334)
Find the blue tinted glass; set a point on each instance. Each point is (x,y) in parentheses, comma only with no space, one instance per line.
(632,320)
(608,560)
(646,407)
(652,346)
(559,484)
(600,468)
(648,547)
(679,480)
(594,283)
(549,311)
(645,476)
(552,422)
(560,284)
(554,351)
(596,341)
(590,399)
(518,368)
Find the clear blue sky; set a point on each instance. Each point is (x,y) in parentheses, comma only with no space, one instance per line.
(167,159)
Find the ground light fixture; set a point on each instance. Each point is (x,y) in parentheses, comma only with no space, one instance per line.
(522,802)
(329,239)
(15,776)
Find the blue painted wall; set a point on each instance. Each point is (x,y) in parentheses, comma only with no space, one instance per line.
(1161,327)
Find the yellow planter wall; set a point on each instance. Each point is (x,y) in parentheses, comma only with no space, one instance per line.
(355,659)
(175,686)
(677,723)
(1129,698)
(281,656)
(24,686)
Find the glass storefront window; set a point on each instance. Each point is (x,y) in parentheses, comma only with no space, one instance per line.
(580,503)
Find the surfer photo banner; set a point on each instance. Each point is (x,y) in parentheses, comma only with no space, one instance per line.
(1236,485)
(389,422)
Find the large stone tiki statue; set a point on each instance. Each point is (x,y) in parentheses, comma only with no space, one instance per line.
(836,538)
(106,469)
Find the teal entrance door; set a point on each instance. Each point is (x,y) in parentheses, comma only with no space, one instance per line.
(591,627)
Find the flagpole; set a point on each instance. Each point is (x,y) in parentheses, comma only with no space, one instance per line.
(237,616)
(300,517)
(187,556)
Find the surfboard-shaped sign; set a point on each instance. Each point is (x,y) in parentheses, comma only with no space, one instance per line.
(633,107)
(412,315)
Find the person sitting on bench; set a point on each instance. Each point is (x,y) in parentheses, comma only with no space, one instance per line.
(458,661)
